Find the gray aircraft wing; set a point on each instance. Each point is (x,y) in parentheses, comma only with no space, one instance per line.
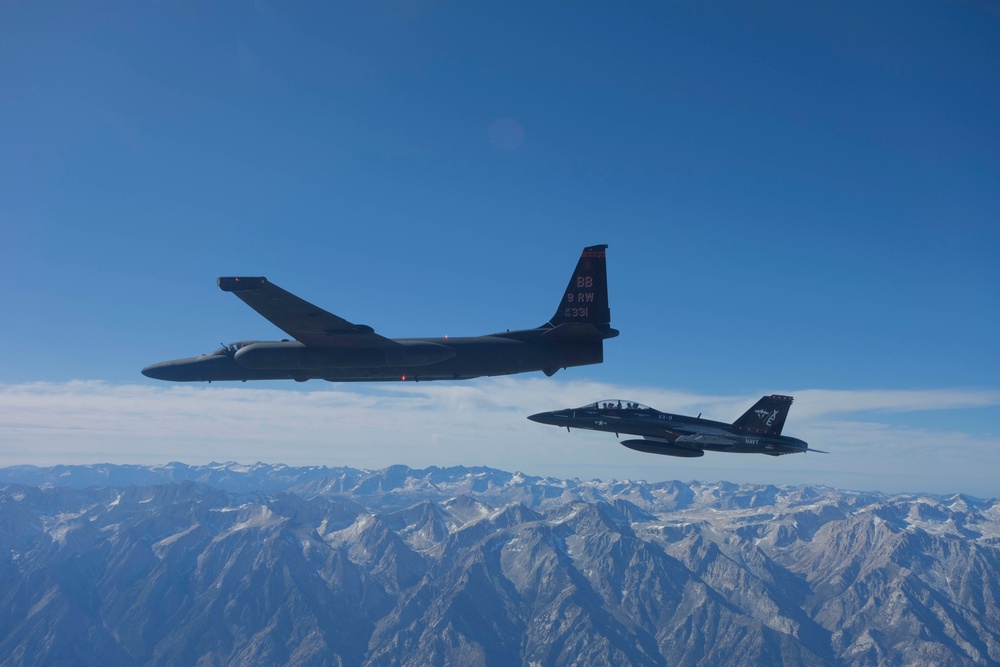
(694,435)
(308,324)
(702,439)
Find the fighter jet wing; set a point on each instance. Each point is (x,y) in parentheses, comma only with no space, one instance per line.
(305,322)
(703,436)
(702,439)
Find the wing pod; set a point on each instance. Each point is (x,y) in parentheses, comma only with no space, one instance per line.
(651,446)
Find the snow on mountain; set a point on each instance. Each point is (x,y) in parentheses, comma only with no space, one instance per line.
(261,564)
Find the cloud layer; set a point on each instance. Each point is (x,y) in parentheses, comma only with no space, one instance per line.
(483,423)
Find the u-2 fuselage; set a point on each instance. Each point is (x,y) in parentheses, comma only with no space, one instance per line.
(420,359)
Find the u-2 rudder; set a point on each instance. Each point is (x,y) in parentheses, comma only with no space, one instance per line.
(585,300)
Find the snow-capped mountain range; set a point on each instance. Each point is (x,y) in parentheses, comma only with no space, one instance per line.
(269,564)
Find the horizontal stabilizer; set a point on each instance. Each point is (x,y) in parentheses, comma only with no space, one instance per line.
(574,331)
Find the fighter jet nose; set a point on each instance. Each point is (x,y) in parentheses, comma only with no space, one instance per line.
(545,418)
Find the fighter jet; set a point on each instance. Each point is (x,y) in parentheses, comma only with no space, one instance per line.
(758,431)
(328,347)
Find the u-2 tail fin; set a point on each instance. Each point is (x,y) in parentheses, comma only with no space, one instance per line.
(767,416)
(586,298)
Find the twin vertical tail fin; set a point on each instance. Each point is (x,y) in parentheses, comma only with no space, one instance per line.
(586,298)
(767,416)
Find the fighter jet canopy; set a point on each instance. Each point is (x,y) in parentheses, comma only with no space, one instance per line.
(616,404)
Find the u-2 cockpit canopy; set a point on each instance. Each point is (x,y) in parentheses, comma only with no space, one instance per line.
(616,404)
(231,348)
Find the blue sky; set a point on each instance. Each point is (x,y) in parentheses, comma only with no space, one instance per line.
(798,198)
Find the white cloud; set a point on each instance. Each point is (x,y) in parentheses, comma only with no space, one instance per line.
(815,402)
(483,423)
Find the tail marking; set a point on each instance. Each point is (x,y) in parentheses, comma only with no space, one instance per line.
(767,416)
(585,300)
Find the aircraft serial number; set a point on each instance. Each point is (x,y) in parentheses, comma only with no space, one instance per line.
(576,312)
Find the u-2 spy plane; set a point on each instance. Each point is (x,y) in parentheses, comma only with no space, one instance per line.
(328,347)
(758,431)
